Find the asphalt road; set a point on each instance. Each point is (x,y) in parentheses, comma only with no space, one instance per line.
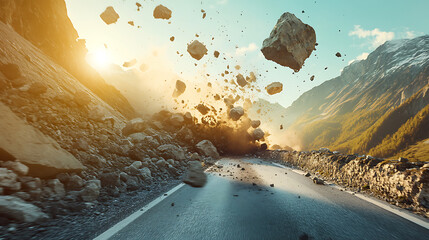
(231,206)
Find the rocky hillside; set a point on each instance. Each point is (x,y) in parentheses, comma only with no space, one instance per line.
(63,149)
(367,93)
(46,25)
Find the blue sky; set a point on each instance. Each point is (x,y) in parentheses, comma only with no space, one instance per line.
(353,28)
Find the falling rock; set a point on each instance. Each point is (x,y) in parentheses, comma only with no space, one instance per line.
(338,54)
(180,89)
(130,63)
(241,81)
(197,50)
(207,149)
(203,109)
(236,113)
(258,134)
(312,78)
(195,175)
(274,88)
(161,12)
(109,15)
(216,54)
(17,209)
(255,123)
(290,43)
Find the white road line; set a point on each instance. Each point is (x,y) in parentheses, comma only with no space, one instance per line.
(116,228)
(385,206)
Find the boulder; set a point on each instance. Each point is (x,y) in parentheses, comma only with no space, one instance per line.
(290,43)
(195,175)
(258,134)
(57,188)
(145,174)
(170,151)
(161,12)
(110,180)
(74,182)
(91,191)
(177,120)
(274,88)
(197,50)
(236,113)
(134,126)
(255,123)
(319,181)
(109,15)
(137,137)
(43,155)
(17,209)
(15,166)
(207,148)
(8,180)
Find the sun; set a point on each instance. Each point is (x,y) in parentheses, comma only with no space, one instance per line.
(99,58)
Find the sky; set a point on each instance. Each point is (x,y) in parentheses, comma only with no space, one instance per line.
(353,28)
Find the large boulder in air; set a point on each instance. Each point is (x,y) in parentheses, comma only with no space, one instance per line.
(290,42)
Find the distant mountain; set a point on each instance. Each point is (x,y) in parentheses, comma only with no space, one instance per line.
(372,104)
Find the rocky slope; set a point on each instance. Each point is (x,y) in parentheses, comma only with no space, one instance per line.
(340,110)
(65,151)
(46,25)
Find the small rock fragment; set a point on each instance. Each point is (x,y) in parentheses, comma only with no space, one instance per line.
(203,109)
(130,63)
(272,185)
(216,54)
(180,89)
(312,78)
(241,81)
(109,15)
(197,50)
(131,23)
(274,88)
(161,12)
(338,54)
(172,38)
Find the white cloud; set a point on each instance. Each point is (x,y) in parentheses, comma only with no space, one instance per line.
(363,56)
(410,34)
(377,37)
(243,50)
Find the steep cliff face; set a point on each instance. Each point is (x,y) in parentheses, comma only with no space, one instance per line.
(339,111)
(46,25)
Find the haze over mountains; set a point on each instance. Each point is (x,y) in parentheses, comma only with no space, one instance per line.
(377,106)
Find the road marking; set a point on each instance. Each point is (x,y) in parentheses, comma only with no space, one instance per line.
(116,228)
(385,206)
(120,225)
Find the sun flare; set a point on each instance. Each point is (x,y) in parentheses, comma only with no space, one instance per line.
(99,58)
